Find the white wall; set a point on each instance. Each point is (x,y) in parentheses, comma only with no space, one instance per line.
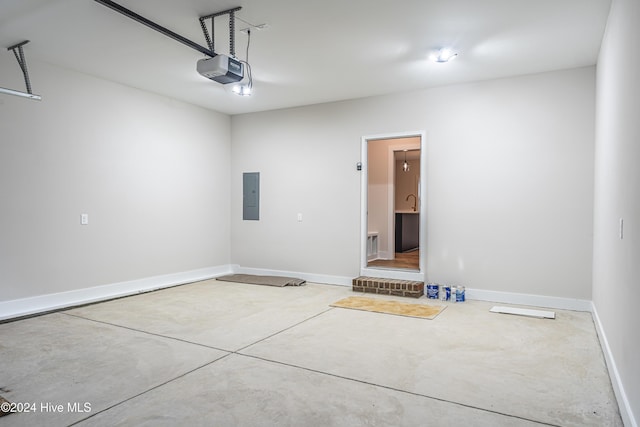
(616,262)
(151,172)
(510,182)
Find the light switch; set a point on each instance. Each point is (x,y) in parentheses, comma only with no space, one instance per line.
(84,219)
(299,217)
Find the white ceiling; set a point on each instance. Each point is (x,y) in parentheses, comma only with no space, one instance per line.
(312,51)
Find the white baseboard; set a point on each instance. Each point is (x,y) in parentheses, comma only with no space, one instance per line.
(43,303)
(309,277)
(626,413)
(476,294)
(529,299)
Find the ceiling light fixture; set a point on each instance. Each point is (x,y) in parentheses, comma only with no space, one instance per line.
(444,55)
(405,165)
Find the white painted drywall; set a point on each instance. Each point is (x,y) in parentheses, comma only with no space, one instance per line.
(152,174)
(616,262)
(509,194)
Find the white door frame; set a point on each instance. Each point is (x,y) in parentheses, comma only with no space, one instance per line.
(364,183)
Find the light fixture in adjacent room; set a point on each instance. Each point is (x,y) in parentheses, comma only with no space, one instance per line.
(443,55)
(405,165)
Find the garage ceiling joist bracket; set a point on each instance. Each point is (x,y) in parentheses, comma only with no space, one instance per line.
(22,61)
(159,28)
(232,28)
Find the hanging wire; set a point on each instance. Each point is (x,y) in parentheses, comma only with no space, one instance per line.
(248,44)
(245,89)
(246,61)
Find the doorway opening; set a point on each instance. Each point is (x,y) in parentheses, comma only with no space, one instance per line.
(404,212)
(393,204)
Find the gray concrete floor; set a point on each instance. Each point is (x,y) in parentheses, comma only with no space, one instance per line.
(229,354)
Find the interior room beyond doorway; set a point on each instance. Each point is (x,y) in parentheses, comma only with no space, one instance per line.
(393,203)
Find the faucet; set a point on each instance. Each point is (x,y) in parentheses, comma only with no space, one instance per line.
(415,201)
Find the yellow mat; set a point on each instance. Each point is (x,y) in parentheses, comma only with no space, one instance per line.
(422,311)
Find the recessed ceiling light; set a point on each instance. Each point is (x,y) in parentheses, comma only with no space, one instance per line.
(443,55)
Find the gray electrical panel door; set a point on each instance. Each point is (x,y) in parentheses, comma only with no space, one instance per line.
(251,196)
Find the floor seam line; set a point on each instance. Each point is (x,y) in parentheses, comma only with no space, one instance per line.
(148,333)
(152,388)
(284,330)
(393,389)
(228,353)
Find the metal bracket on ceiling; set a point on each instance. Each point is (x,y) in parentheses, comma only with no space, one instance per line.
(232,28)
(22,61)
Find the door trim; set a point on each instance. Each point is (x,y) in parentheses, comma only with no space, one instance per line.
(364,182)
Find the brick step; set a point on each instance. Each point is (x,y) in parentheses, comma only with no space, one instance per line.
(397,287)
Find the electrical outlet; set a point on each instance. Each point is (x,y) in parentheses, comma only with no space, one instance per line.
(621,228)
(299,217)
(84,219)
